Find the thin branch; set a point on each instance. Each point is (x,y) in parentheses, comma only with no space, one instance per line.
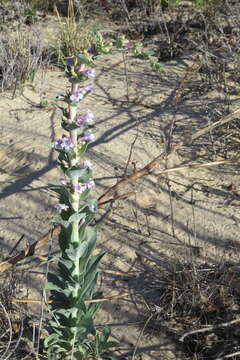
(141,334)
(152,164)
(228,356)
(36,301)
(10,330)
(209,328)
(192,166)
(30,250)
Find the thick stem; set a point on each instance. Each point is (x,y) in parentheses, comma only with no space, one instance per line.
(72,115)
(75,228)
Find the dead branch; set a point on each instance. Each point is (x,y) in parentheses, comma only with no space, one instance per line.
(192,166)
(228,356)
(152,164)
(209,328)
(30,250)
(36,301)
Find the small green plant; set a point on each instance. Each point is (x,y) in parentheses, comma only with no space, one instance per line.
(72,289)
(137,49)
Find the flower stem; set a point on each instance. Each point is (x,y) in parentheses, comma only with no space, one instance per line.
(72,115)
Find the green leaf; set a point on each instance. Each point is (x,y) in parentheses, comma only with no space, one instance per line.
(82,174)
(82,306)
(50,340)
(106,333)
(148,53)
(84,249)
(111,344)
(84,59)
(59,97)
(88,325)
(76,217)
(54,280)
(91,273)
(55,182)
(58,220)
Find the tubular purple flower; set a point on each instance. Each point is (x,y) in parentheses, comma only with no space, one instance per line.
(86,164)
(88,136)
(80,188)
(64,182)
(89,184)
(88,87)
(65,143)
(84,119)
(93,50)
(61,207)
(69,61)
(88,72)
(128,45)
(76,96)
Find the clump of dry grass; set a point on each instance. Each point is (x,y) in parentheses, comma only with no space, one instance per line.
(198,305)
(76,31)
(22,55)
(19,335)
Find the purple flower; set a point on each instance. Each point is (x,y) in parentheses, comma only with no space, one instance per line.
(88,87)
(80,188)
(69,61)
(76,96)
(89,184)
(88,72)
(86,164)
(61,207)
(65,143)
(88,136)
(64,182)
(128,45)
(93,50)
(84,119)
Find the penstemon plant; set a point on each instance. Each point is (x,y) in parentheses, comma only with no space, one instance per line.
(73,333)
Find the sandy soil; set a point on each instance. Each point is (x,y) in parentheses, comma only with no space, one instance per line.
(167,217)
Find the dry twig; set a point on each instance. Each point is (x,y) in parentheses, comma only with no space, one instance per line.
(209,328)
(36,301)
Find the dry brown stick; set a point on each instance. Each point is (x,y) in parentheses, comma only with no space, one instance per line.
(16,245)
(109,194)
(36,301)
(228,356)
(30,250)
(146,169)
(209,328)
(191,166)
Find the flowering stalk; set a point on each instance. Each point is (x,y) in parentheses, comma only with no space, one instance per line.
(73,334)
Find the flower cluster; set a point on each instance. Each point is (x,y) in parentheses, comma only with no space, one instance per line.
(87,136)
(75,96)
(81,187)
(87,72)
(84,119)
(65,143)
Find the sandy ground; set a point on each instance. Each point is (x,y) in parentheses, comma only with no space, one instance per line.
(165,219)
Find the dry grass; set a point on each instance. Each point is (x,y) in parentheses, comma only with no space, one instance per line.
(187,297)
(22,55)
